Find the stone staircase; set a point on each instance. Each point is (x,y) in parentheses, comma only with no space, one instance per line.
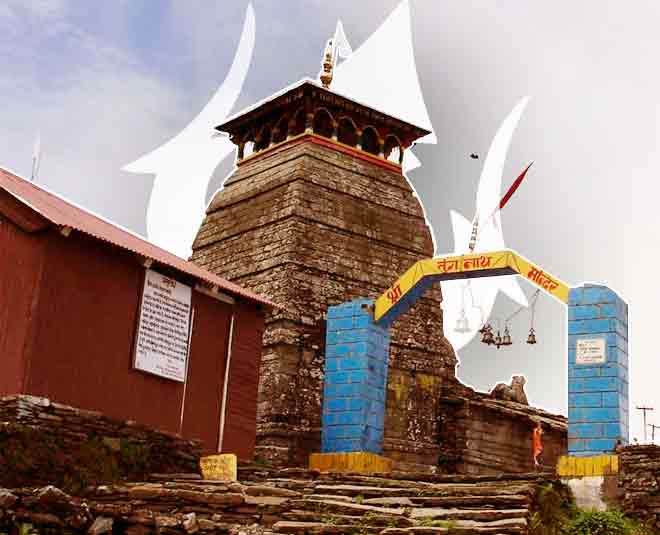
(288,501)
(400,504)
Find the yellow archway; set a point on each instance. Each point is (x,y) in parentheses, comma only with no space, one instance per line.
(397,299)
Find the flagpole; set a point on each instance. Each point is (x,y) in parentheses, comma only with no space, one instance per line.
(36,157)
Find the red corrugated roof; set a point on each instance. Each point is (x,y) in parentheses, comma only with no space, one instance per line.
(65,214)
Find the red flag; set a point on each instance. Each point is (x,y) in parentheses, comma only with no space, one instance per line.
(512,190)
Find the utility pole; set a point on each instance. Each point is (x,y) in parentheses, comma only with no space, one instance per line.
(644,410)
(653,428)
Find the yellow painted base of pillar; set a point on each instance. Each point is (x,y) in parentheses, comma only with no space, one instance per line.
(221,467)
(599,465)
(354,461)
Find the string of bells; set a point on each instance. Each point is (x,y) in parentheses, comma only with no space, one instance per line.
(498,340)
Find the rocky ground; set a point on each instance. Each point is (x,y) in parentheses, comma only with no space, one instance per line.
(285,501)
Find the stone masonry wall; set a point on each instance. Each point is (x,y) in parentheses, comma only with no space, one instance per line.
(309,227)
(482,435)
(46,443)
(639,479)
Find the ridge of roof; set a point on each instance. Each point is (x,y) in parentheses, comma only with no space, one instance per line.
(64,213)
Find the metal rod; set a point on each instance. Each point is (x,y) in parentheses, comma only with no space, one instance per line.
(223,408)
(185,379)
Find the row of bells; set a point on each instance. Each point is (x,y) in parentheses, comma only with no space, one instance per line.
(498,340)
(487,336)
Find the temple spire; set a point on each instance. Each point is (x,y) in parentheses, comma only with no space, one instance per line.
(328,64)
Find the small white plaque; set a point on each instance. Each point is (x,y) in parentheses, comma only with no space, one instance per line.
(590,351)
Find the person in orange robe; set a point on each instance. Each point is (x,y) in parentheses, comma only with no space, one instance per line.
(537,443)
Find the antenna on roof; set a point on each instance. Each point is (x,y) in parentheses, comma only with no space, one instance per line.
(36,157)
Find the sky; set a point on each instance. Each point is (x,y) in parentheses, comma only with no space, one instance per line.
(106,82)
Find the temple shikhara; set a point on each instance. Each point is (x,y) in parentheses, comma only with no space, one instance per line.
(318,212)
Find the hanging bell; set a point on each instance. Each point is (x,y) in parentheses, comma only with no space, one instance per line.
(506,339)
(498,340)
(531,339)
(462,325)
(489,338)
(487,334)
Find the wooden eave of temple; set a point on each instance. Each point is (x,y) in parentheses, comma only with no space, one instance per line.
(307,110)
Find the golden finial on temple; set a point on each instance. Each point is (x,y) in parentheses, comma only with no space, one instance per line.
(328,63)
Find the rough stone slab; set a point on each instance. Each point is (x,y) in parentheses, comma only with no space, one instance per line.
(175,477)
(267,490)
(199,487)
(391,500)
(467,514)
(513,500)
(45,519)
(265,500)
(428,530)
(335,518)
(229,499)
(329,497)
(475,490)
(101,525)
(346,507)
(358,490)
(319,528)
(7,499)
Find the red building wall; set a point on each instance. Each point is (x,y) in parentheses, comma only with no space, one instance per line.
(20,265)
(79,342)
(243,385)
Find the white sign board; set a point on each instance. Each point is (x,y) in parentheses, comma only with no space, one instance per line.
(164,327)
(590,351)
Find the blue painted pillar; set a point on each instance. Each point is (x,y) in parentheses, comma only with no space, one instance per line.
(597,370)
(354,393)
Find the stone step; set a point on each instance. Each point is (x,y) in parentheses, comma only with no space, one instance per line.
(365,491)
(453,530)
(437,513)
(510,500)
(319,528)
(370,519)
(464,527)
(348,508)
(476,490)
(292,527)
(394,501)
(335,497)
(428,490)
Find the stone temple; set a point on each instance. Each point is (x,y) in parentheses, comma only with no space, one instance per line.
(316,213)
